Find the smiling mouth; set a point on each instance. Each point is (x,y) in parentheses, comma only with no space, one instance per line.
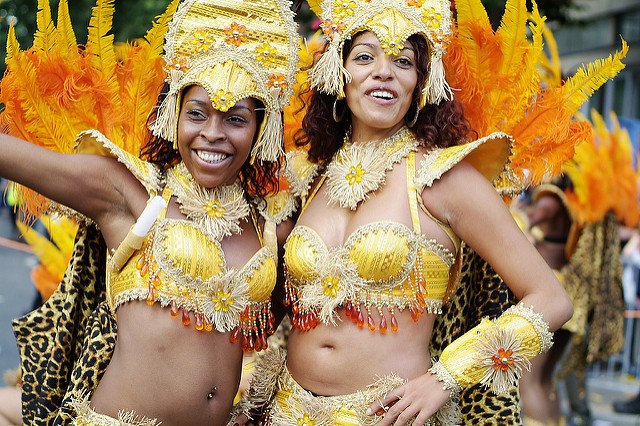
(382,94)
(211,157)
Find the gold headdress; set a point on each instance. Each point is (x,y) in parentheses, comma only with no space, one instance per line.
(234,50)
(392,21)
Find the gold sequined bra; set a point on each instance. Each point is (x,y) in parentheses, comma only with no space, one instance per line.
(383,266)
(180,267)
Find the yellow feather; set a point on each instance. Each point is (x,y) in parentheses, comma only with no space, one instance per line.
(512,35)
(103,58)
(587,80)
(155,35)
(140,91)
(471,11)
(46,251)
(62,231)
(65,30)
(553,75)
(599,126)
(13,47)
(527,84)
(46,36)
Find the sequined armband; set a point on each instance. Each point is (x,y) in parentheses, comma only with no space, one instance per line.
(494,353)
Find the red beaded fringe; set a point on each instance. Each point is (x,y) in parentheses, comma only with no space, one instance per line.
(255,326)
(359,310)
(305,319)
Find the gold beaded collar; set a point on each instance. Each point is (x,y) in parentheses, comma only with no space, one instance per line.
(217,211)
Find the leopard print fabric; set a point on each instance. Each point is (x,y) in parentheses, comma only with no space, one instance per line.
(481,293)
(66,344)
(599,271)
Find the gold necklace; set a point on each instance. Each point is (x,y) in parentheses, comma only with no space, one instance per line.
(217,211)
(359,169)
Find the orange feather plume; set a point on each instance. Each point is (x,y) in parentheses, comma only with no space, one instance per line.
(56,89)
(603,177)
(497,79)
(296,110)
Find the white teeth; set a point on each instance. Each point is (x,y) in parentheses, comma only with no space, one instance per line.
(211,157)
(382,94)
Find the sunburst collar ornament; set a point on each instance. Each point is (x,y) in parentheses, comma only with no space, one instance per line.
(217,211)
(359,169)
(504,358)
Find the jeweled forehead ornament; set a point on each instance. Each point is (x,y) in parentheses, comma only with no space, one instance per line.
(234,49)
(393,22)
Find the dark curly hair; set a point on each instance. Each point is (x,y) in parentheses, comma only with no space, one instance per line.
(441,125)
(258,178)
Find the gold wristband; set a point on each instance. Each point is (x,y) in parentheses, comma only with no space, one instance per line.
(494,353)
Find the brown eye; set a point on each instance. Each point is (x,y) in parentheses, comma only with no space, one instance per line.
(196,114)
(404,62)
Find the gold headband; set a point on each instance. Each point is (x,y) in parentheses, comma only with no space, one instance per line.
(234,49)
(393,22)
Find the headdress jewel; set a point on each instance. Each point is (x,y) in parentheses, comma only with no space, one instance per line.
(393,22)
(234,50)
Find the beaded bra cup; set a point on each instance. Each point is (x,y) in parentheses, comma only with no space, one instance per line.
(382,264)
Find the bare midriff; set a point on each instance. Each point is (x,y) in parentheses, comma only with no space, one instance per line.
(337,360)
(162,369)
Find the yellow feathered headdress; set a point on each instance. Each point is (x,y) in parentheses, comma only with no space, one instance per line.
(249,50)
(392,21)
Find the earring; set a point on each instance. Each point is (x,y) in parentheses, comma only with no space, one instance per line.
(338,117)
(414,120)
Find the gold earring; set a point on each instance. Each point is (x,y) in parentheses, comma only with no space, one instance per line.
(338,117)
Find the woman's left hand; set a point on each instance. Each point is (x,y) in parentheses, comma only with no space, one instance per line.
(418,399)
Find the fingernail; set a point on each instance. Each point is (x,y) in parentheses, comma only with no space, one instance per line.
(369,411)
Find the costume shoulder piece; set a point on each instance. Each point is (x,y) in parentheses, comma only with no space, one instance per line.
(300,172)
(278,207)
(489,155)
(94,142)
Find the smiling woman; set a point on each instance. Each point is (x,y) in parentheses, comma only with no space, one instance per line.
(215,145)
(185,225)
(389,163)
(384,99)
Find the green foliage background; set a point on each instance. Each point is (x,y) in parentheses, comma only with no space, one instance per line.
(133,17)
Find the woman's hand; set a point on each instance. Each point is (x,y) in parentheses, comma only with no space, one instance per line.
(419,398)
(242,420)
